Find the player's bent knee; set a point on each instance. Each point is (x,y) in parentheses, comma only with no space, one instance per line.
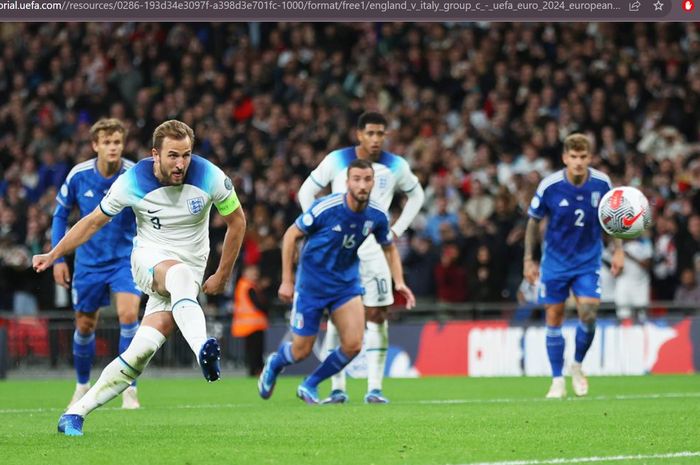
(588,312)
(86,322)
(180,279)
(352,347)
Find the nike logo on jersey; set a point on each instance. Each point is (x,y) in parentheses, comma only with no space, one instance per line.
(564,203)
(337,228)
(89,194)
(630,221)
(154,211)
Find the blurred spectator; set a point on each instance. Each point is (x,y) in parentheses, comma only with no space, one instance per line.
(442,224)
(633,284)
(250,318)
(450,275)
(665,259)
(688,292)
(419,266)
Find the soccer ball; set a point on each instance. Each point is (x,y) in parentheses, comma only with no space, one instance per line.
(624,212)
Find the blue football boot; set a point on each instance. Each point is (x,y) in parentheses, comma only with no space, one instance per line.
(308,394)
(209,356)
(71,425)
(338,396)
(267,379)
(375,396)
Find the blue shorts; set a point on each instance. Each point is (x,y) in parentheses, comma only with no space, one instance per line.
(556,290)
(91,286)
(307,310)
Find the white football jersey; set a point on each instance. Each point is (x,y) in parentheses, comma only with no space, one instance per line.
(173,218)
(391,174)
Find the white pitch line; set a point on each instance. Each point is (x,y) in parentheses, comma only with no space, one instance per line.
(668,395)
(611,458)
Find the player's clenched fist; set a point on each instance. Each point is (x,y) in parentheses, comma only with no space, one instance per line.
(41,262)
(286,292)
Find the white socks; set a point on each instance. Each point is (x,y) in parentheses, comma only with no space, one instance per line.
(121,372)
(376,345)
(181,284)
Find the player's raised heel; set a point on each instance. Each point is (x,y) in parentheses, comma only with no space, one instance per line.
(71,425)
(375,396)
(308,394)
(558,388)
(267,378)
(209,356)
(338,396)
(578,380)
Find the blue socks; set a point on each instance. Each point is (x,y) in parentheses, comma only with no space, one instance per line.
(126,334)
(335,362)
(83,353)
(584,338)
(283,357)
(555,349)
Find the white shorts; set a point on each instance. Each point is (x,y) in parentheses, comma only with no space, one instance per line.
(376,279)
(632,294)
(143,261)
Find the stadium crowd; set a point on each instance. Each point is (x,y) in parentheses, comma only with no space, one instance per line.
(479,111)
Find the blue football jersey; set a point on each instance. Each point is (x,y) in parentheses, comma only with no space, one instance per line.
(572,242)
(85,187)
(328,262)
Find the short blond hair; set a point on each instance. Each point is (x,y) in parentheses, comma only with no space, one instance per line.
(579,142)
(109,126)
(175,130)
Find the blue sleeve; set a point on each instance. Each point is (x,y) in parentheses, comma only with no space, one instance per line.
(382,231)
(65,199)
(307,222)
(538,206)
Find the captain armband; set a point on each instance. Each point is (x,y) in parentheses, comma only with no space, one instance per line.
(229,205)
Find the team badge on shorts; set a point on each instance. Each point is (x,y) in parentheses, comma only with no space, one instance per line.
(195,205)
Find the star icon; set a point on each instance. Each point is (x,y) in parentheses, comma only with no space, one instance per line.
(658,6)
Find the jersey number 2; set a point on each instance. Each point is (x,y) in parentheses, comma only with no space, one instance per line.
(579,217)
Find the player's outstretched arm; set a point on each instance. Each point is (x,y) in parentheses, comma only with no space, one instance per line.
(235,231)
(289,243)
(531,269)
(77,236)
(618,259)
(394,260)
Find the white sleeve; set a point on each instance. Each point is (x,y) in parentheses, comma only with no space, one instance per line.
(413,205)
(317,180)
(406,180)
(119,195)
(307,193)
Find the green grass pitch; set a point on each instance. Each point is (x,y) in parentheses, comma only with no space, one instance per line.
(431,421)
